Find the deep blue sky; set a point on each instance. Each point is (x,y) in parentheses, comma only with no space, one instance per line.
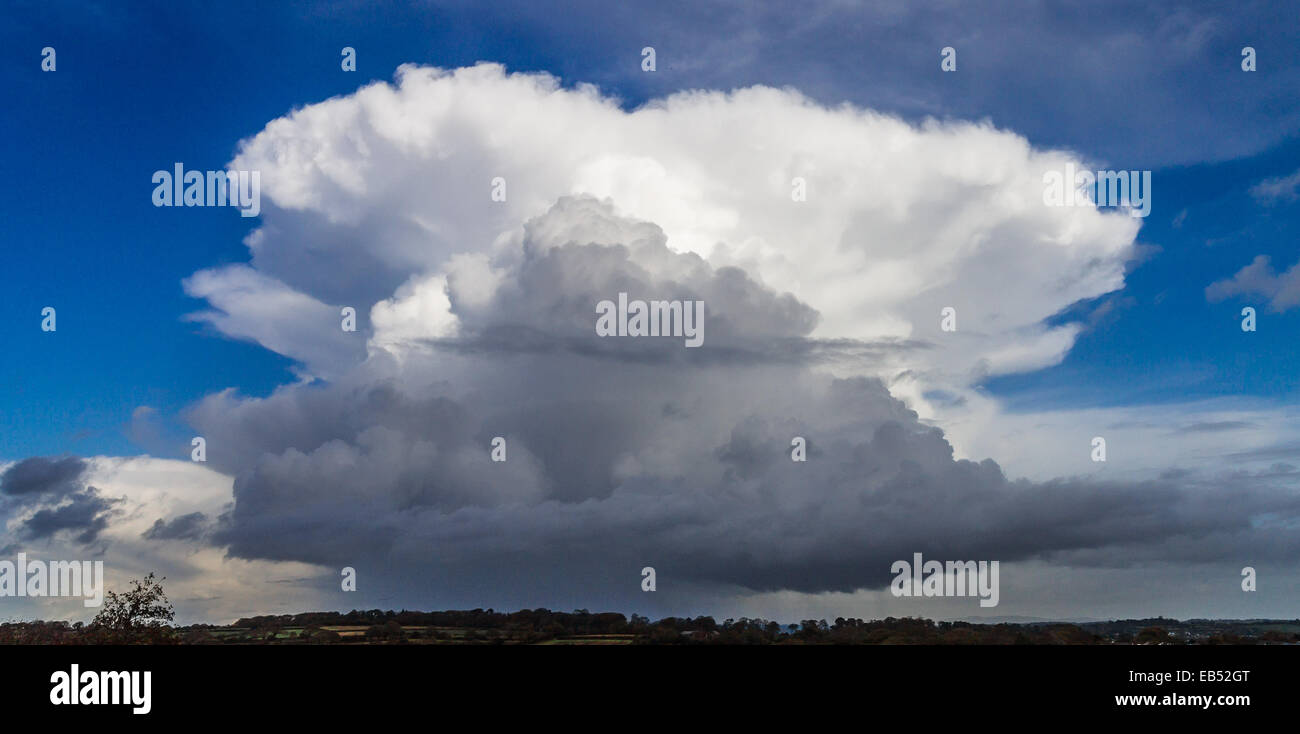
(141,87)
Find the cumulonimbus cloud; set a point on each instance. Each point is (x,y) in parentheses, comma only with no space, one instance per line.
(628,452)
(476,321)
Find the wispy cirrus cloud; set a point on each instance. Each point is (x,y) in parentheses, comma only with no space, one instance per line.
(1281,290)
(1281,188)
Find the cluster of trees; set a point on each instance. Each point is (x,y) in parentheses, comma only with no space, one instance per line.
(1164,631)
(140,615)
(536,625)
(577,622)
(852,631)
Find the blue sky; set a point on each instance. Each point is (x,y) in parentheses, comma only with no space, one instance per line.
(1164,341)
(134,92)
(140,87)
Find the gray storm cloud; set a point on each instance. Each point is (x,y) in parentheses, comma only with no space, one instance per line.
(40,475)
(41,497)
(628,452)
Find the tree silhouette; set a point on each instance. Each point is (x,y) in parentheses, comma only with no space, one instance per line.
(140,613)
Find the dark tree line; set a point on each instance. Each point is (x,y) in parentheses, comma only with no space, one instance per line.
(142,615)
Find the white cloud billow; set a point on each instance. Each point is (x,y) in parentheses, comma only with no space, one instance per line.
(900,221)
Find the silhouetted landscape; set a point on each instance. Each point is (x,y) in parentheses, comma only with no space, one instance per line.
(581,627)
